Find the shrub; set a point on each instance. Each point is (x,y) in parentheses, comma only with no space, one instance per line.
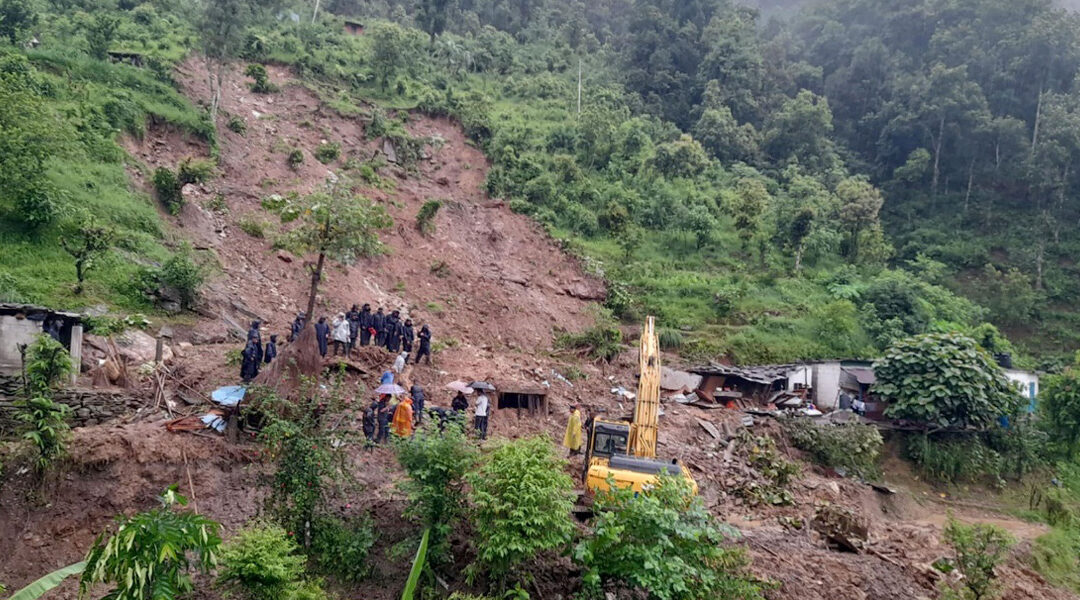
(943,379)
(776,471)
(953,458)
(44,424)
(296,158)
(237,125)
(853,447)
(665,543)
(149,556)
(256,228)
(261,563)
(262,84)
(670,339)
(521,498)
(425,218)
(1060,403)
(340,546)
(440,269)
(979,549)
(328,153)
(47,362)
(436,462)
(602,341)
(168,189)
(182,275)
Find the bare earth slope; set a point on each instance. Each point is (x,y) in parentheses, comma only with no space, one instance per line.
(498,289)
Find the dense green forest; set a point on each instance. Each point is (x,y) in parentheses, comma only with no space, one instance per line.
(816,183)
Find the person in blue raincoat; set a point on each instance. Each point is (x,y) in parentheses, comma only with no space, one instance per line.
(322,335)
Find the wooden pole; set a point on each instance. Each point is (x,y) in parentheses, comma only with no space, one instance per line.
(76,352)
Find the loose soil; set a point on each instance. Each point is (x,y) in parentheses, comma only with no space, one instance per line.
(495,290)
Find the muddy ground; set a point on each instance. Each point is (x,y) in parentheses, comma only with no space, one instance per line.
(495,290)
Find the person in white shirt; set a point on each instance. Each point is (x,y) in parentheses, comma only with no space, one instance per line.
(399,362)
(340,328)
(481,419)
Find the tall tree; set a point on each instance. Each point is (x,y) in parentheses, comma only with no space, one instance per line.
(432,16)
(221,26)
(860,206)
(333,223)
(86,244)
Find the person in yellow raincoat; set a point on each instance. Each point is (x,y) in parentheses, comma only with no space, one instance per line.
(572,438)
(403,418)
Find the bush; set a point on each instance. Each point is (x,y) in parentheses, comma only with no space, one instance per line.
(47,363)
(1060,403)
(521,498)
(425,218)
(436,462)
(601,342)
(45,426)
(943,379)
(261,563)
(951,459)
(664,543)
(183,276)
(256,228)
(670,339)
(237,125)
(340,546)
(168,189)
(262,84)
(296,158)
(853,447)
(150,554)
(776,471)
(979,549)
(328,153)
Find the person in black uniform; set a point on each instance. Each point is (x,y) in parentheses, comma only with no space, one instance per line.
(393,332)
(322,335)
(354,327)
(378,323)
(297,326)
(249,366)
(425,344)
(271,350)
(407,338)
(365,325)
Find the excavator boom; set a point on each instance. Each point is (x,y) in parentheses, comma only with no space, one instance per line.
(647,409)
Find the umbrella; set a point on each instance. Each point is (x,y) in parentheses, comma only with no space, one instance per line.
(459,386)
(390,388)
(482,385)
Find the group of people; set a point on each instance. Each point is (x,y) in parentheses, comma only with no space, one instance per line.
(361,326)
(383,416)
(255,354)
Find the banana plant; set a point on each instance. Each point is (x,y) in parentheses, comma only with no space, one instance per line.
(417,567)
(38,588)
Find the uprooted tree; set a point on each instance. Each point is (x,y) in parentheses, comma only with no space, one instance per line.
(333,223)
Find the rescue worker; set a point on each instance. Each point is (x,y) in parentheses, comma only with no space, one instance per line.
(382,418)
(254,334)
(369,422)
(400,362)
(393,332)
(572,437)
(417,394)
(480,420)
(249,365)
(425,344)
(341,334)
(322,335)
(407,338)
(378,323)
(271,349)
(365,325)
(353,317)
(403,418)
(297,326)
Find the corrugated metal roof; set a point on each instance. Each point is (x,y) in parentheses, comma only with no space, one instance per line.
(31,309)
(764,374)
(864,376)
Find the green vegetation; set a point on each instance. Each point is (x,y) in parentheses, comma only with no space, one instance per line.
(43,422)
(149,555)
(852,447)
(425,218)
(328,152)
(296,158)
(521,500)
(436,462)
(978,550)
(262,562)
(262,84)
(334,224)
(665,544)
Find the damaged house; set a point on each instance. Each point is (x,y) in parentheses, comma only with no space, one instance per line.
(20,324)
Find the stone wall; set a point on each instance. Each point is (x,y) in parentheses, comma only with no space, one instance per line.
(89,406)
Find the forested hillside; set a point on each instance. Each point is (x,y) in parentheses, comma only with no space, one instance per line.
(807,186)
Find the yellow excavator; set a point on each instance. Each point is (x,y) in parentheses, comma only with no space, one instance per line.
(626,452)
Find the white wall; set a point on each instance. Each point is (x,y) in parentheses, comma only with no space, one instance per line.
(1029,382)
(12,333)
(826,382)
(799,375)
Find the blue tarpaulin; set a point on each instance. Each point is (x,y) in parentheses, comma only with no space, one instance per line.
(230,395)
